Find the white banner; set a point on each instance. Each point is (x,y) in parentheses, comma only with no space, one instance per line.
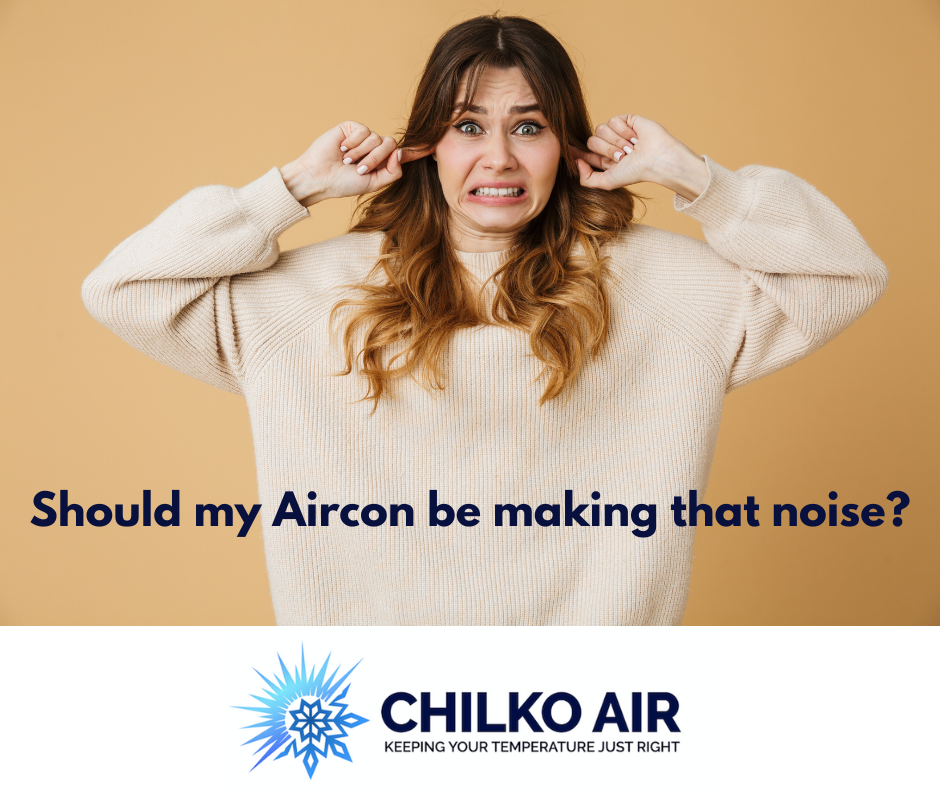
(553,706)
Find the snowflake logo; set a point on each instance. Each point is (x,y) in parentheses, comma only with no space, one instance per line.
(303,714)
(311,720)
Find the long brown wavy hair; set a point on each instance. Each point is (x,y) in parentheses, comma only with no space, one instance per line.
(551,286)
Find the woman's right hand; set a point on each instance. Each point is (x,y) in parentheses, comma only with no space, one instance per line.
(348,160)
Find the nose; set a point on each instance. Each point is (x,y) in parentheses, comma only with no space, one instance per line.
(498,155)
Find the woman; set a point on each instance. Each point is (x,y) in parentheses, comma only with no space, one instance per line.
(531,377)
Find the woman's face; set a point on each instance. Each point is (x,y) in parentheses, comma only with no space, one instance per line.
(501,142)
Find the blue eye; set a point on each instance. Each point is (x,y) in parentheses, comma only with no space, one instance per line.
(463,127)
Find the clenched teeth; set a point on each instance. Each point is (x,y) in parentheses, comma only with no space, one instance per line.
(486,191)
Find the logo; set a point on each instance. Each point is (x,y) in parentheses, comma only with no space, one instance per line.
(303,714)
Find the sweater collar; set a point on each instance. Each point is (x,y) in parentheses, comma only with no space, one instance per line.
(482,264)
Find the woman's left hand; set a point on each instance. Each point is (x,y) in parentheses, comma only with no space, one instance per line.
(631,149)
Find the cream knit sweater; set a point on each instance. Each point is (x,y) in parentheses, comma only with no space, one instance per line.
(205,289)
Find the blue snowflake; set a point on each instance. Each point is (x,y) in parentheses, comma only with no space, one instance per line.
(320,720)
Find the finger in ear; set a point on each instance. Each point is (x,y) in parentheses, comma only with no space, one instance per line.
(393,165)
(584,169)
(413,154)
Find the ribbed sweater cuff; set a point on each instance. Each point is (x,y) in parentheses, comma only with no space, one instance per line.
(724,204)
(268,206)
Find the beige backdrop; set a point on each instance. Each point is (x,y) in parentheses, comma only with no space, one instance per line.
(113,110)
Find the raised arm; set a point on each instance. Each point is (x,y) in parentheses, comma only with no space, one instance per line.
(804,273)
(167,289)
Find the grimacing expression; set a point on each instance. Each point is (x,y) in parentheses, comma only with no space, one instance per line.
(502,142)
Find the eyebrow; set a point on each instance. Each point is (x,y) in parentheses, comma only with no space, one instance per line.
(514,110)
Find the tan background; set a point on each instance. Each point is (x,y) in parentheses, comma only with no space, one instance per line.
(113,110)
